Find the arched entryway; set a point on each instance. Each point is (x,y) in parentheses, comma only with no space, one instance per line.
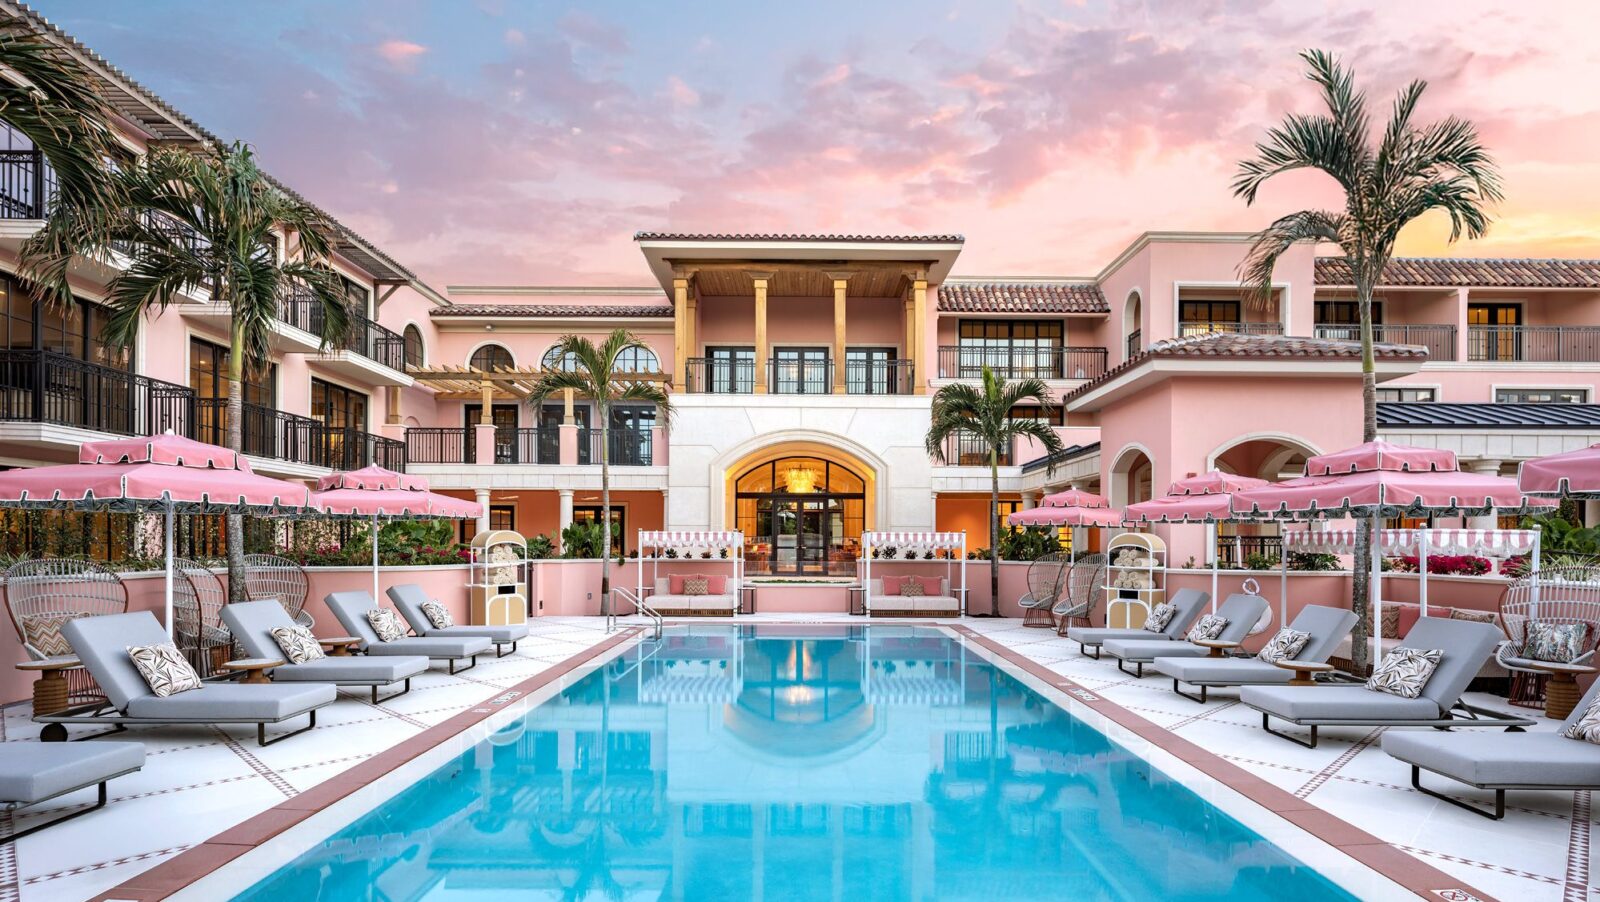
(1132,477)
(802,511)
(1270,456)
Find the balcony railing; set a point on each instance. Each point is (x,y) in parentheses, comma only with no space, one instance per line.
(1235,551)
(49,387)
(721,376)
(1022,361)
(877,377)
(438,445)
(799,376)
(1190,329)
(967,450)
(27,185)
(1135,343)
(1439,339)
(629,446)
(1534,344)
(520,445)
(266,432)
(302,310)
(352,449)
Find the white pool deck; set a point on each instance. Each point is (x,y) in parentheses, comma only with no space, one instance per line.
(200,781)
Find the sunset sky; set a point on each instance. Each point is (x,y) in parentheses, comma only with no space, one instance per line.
(509,142)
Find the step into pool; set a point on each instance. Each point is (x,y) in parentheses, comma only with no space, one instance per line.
(862,762)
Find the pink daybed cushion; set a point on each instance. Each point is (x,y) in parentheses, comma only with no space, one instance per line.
(716,585)
(930,585)
(893,584)
(675,583)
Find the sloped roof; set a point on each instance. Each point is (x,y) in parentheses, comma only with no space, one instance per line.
(1488,416)
(573,310)
(1022,297)
(1507,272)
(795,236)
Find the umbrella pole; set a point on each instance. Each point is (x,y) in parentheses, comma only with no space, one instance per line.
(1211,534)
(1375,589)
(374,558)
(168,602)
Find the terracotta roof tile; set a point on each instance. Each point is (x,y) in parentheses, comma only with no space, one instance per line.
(574,310)
(1022,297)
(795,236)
(1232,346)
(1508,272)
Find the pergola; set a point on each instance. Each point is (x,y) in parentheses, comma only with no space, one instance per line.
(506,383)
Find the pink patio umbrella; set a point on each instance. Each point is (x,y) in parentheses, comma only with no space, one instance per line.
(1065,516)
(1074,498)
(167,473)
(1574,474)
(1207,499)
(374,493)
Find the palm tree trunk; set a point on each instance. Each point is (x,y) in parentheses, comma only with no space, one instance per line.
(994,533)
(236,444)
(605,509)
(1361,579)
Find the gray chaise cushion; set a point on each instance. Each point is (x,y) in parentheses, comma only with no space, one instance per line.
(34,771)
(101,643)
(350,608)
(1466,644)
(1099,635)
(235,702)
(1327,626)
(408,600)
(252,623)
(1354,703)
(432,646)
(1505,759)
(1222,671)
(1241,612)
(1187,601)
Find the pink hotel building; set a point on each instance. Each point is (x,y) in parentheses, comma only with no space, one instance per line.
(802,369)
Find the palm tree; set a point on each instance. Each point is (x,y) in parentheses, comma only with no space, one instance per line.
(1388,181)
(596,372)
(985,414)
(212,219)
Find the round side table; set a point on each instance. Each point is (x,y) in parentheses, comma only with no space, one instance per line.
(1218,647)
(1561,692)
(339,646)
(50,689)
(255,669)
(1305,672)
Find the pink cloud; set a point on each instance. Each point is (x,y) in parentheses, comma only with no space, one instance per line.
(401,54)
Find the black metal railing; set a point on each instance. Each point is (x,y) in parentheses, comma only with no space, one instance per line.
(439,445)
(49,387)
(721,376)
(629,446)
(1534,344)
(1191,329)
(265,431)
(967,450)
(1021,361)
(301,309)
(1135,343)
(799,376)
(1236,551)
(877,377)
(1439,339)
(352,449)
(27,185)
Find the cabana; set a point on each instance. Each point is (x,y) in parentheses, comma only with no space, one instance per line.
(950,600)
(669,595)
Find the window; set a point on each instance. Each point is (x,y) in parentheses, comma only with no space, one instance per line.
(1011,331)
(729,370)
(1209,312)
(413,342)
(1057,415)
(800,371)
(504,417)
(338,407)
(489,358)
(554,359)
(503,516)
(619,520)
(1015,349)
(870,371)
(638,360)
(355,294)
(75,331)
(1345,313)
(208,376)
(1493,333)
(1541,396)
(1407,395)
(632,435)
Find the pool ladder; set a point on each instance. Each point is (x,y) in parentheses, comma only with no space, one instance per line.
(620,593)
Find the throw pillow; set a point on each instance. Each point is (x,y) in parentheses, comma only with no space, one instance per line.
(1405,671)
(1587,726)
(931,585)
(164,669)
(1557,643)
(911,588)
(694,585)
(675,584)
(892,584)
(1391,622)
(1208,627)
(386,624)
(1160,616)
(716,585)
(1284,646)
(1474,616)
(437,615)
(298,645)
(43,632)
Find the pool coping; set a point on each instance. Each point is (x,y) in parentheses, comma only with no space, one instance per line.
(202,860)
(1383,858)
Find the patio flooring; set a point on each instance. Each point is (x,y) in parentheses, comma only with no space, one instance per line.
(198,782)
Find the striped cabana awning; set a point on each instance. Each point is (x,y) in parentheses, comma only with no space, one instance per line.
(691,538)
(1485,542)
(914,538)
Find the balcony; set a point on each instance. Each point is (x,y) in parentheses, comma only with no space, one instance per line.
(540,445)
(57,389)
(1192,329)
(275,435)
(724,376)
(1135,343)
(1533,344)
(721,376)
(27,185)
(629,446)
(1022,361)
(799,376)
(1439,339)
(967,450)
(370,352)
(877,377)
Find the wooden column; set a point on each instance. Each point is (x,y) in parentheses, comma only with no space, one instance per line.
(680,318)
(919,312)
(393,418)
(909,351)
(691,338)
(760,278)
(841,281)
(567,417)
(486,397)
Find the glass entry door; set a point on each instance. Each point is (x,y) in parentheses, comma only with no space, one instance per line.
(803,533)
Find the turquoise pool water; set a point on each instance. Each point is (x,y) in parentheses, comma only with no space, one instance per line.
(777,763)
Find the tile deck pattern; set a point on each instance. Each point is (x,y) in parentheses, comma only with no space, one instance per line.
(206,789)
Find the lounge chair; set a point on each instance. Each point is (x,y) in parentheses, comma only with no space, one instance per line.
(1501,761)
(1326,626)
(101,643)
(409,599)
(1241,611)
(252,623)
(351,608)
(1188,602)
(33,772)
(1466,645)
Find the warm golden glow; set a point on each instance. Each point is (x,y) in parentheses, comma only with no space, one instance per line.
(801,480)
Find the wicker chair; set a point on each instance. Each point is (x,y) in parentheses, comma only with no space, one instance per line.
(1085,582)
(45,593)
(1566,595)
(197,600)
(1046,578)
(269,576)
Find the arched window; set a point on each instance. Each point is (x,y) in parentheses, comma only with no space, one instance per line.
(413,340)
(638,360)
(555,360)
(490,358)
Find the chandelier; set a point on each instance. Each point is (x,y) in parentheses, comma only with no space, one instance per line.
(801,480)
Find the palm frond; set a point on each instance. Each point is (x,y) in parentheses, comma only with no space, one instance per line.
(1269,244)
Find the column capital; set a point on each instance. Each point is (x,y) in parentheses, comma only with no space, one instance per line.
(839,275)
(1488,465)
(760,276)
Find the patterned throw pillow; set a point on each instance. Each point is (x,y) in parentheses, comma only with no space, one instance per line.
(298,645)
(1587,726)
(1160,616)
(696,585)
(1474,616)
(1284,646)
(911,588)
(1391,622)
(1208,627)
(164,669)
(386,624)
(1405,671)
(1559,644)
(437,615)
(43,632)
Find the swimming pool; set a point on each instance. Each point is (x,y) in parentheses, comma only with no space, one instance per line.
(727,762)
